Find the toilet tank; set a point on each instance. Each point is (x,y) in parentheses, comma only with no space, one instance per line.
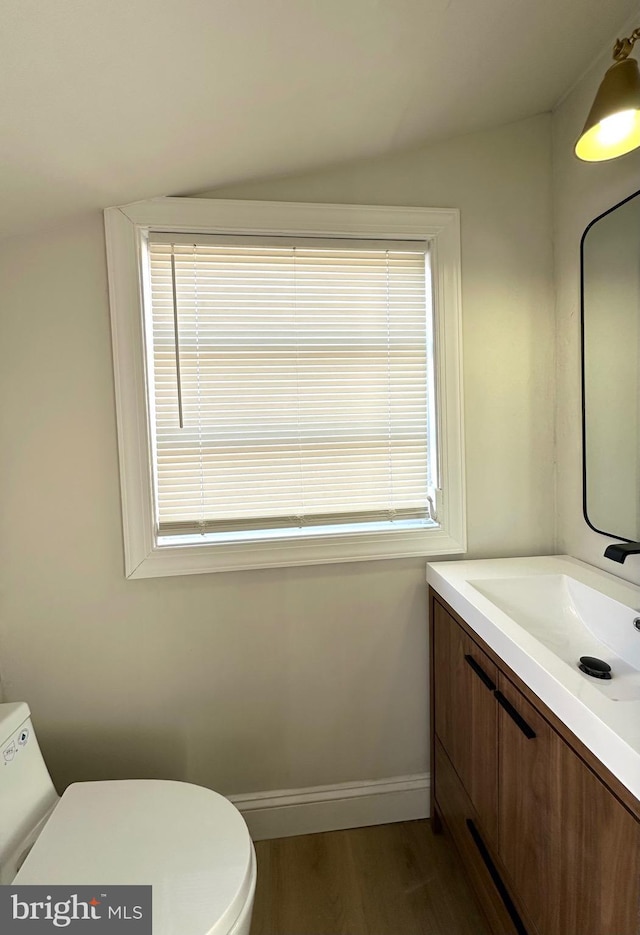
(27,794)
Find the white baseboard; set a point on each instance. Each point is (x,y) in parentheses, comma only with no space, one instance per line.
(289,812)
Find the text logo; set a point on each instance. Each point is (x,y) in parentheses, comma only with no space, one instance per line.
(29,910)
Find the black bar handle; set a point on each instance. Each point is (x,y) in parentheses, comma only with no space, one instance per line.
(482,675)
(515,716)
(495,876)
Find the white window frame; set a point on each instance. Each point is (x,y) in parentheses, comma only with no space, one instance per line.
(126,229)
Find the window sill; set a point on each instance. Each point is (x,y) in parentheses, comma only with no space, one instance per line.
(165,560)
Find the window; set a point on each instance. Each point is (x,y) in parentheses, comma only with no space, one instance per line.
(287,383)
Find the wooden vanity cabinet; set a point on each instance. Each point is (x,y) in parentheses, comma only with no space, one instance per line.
(549,838)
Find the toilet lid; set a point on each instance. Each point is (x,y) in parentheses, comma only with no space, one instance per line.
(189,843)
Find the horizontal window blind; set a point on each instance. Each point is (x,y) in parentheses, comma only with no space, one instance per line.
(288,384)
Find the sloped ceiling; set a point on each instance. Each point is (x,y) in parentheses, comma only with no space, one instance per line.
(109,101)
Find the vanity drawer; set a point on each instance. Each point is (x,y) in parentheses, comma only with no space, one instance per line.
(459,816)
(466,715)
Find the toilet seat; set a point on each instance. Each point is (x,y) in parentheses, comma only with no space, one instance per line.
(188,842)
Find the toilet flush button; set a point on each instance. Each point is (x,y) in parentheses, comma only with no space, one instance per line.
(24,736)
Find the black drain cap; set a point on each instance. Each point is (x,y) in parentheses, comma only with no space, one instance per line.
(595,667)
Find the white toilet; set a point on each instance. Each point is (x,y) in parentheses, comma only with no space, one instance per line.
(189,843)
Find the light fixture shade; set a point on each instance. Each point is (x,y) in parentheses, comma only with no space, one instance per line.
(613,125)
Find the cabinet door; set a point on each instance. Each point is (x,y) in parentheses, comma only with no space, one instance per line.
(571,849)
(465,714)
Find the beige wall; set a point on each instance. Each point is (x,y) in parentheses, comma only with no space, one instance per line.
(271,679)
(581,192)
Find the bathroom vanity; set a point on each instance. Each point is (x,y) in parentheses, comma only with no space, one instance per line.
(535,764)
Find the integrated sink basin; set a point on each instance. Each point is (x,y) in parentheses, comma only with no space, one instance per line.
(573,620)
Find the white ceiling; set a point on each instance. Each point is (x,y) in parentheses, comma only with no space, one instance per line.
(109,101)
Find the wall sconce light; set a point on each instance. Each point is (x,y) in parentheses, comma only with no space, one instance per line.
(613,125)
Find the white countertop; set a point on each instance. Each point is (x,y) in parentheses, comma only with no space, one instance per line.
(610,729)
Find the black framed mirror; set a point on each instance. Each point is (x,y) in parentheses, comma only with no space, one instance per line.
(610,330)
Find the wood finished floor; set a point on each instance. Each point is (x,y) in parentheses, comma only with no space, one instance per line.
(397,879)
